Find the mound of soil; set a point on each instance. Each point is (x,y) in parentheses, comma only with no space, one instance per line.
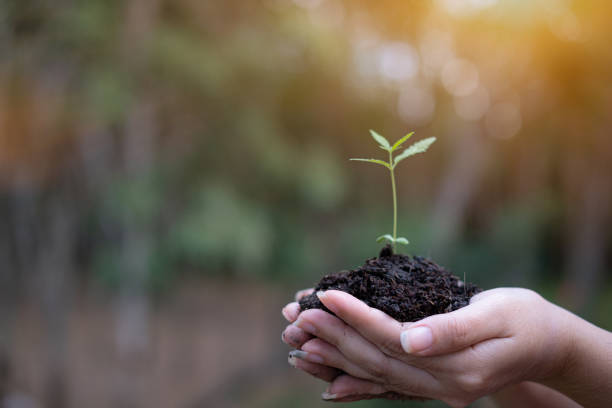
(406,288)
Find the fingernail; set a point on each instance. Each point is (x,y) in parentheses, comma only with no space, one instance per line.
(298,354)
(303,355)
(322,295)
(292,361)
(328,397)
(305,326)
(417,339)
(285,314)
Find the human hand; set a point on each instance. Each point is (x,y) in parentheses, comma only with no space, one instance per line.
(296,338)
(503,337)
(303,341)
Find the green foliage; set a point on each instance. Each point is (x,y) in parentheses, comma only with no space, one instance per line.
(397,144)
(384,143)
(376,161)
(387,237)
(272,164)
(402,240)
(418,147)
(320,178)
(221,229)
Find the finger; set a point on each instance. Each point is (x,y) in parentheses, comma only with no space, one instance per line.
(291,311)
(373,324)
(322,372)
(321,352)
(378,366)
(344,338)
(347,388)
(301,293)
(390,395)
(454,331)
(295,337)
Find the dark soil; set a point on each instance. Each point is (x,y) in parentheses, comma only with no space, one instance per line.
(406,288)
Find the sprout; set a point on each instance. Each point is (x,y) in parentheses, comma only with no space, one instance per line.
(418,147)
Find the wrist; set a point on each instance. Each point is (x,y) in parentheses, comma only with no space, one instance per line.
(582,373)
(559,351)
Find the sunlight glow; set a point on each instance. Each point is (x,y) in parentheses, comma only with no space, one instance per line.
(460,77)
(474,105)
(503,121)
(416,104)
(398,61)
(462,8)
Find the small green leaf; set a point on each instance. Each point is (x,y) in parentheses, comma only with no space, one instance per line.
(384,143)
(382,163)
(387,237)
(401,141)
(419,147)
(402,240)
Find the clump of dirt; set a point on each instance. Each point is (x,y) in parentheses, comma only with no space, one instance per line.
(406,288)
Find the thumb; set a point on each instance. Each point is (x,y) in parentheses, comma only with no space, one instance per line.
(450,332)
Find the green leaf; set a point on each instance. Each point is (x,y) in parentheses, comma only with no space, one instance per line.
(384,143)
(382,163)
(419,147)
(401,141)
(402,240)
(387,237)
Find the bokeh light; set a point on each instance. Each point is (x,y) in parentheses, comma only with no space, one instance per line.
(460,77)
(398,61)
(416,104)
(474,105)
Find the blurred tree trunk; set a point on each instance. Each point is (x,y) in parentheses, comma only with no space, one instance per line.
(132,303)
(44,241)
(20,263)
(138,148)
(8,294)
(588,231)
(55,264)
(458,186)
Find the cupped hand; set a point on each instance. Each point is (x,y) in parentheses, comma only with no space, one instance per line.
(503,337)
(315,365)
(296,338)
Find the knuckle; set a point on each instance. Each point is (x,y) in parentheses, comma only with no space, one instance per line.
(338,336)
(471,383)
(379,369)
(531,296)
(392,347)
(458,329)
(314,345)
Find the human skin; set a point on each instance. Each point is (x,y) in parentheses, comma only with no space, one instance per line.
(509,343)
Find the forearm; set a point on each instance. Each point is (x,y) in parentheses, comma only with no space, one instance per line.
(585,375)
(531,395)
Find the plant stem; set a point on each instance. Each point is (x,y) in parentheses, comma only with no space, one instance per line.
(394,200)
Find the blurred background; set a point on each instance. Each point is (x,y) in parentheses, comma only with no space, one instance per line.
(171,172)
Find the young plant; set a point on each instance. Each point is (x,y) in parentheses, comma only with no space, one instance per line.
(418,147)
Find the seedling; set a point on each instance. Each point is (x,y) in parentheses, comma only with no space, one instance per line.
(418,147)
